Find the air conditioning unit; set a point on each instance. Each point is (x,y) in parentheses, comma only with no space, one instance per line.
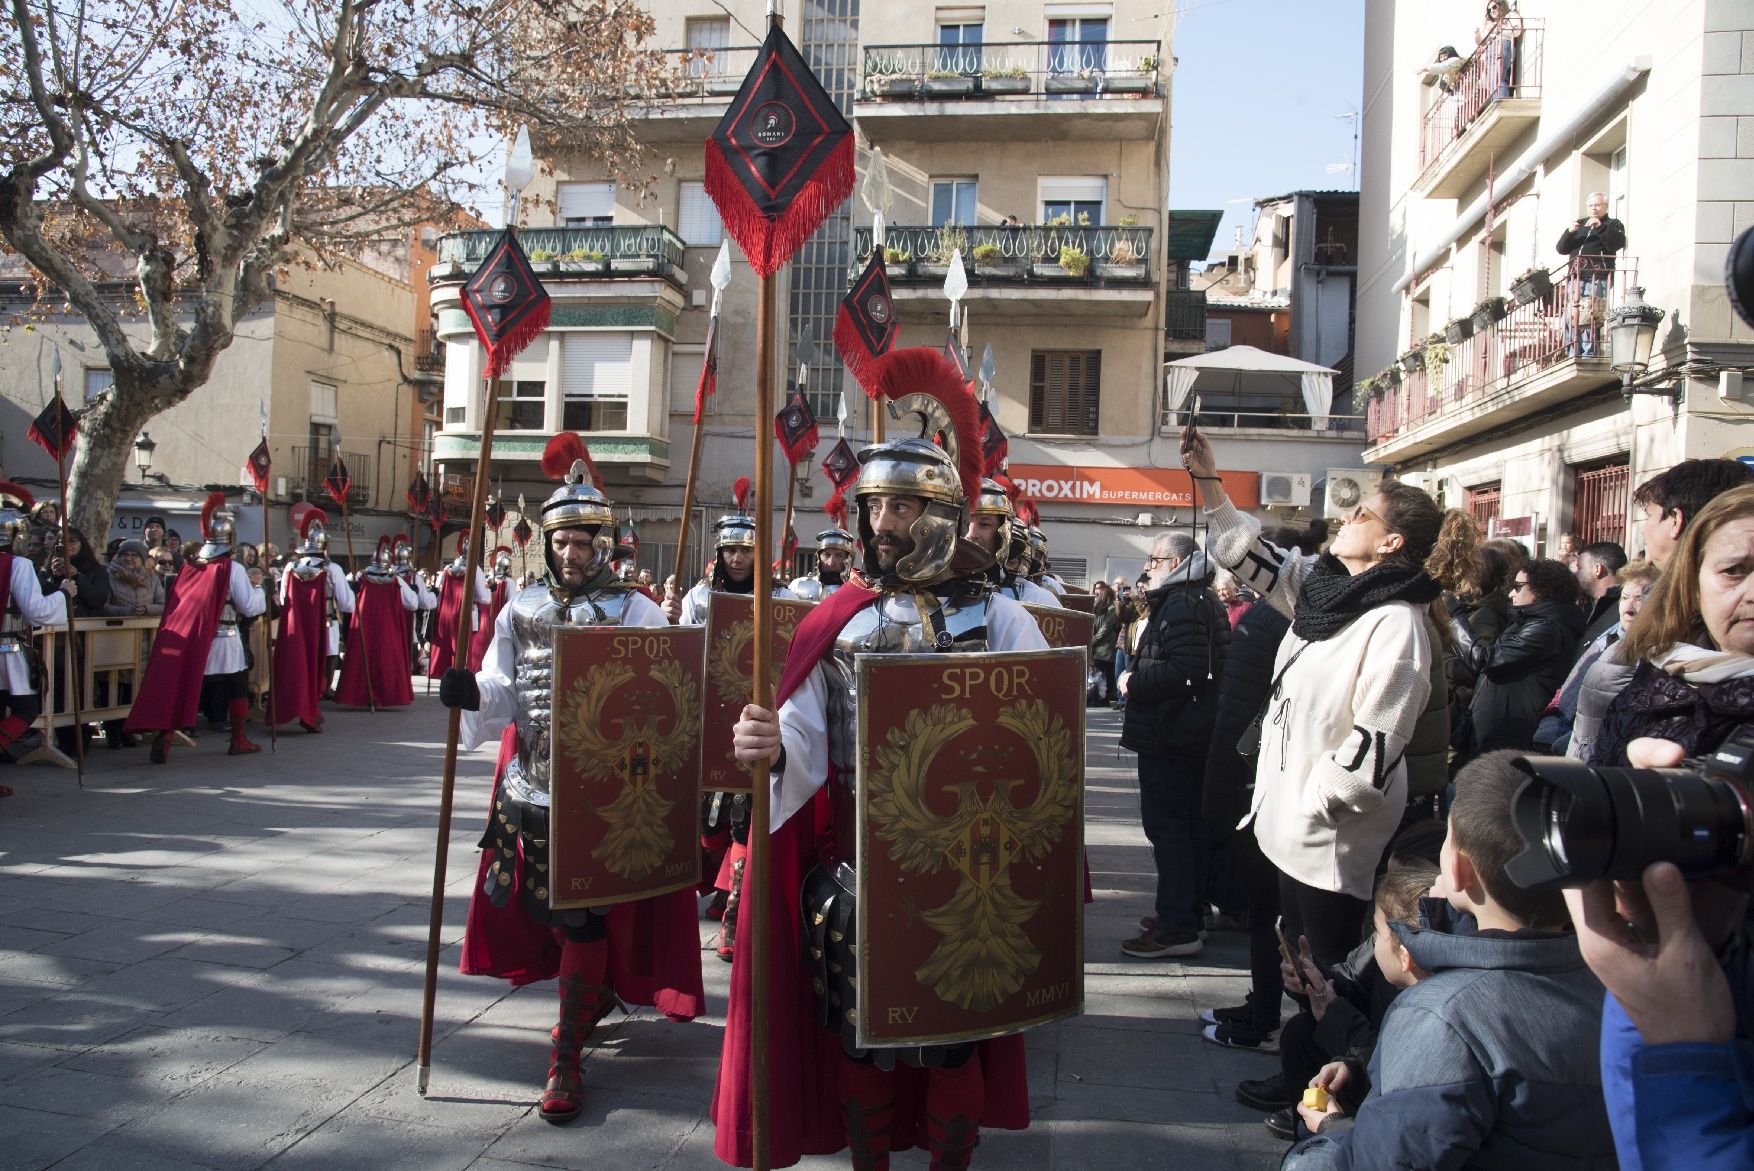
(1285,488)
(1347,488)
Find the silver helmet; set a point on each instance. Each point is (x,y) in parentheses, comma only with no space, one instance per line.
(579,503)
(404,554)
(313,533)
(995,502)
(1038,551)
(218,527)
(919,468)
(502,563)
(835,539)
(15,506)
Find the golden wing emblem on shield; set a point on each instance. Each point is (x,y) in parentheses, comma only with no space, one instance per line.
(985,954)
(636,840)
(724,666)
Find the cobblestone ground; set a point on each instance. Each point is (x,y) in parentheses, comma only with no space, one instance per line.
(217,964)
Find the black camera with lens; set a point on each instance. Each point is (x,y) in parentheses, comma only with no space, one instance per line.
(1579,824)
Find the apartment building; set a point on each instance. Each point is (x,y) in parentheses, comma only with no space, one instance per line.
(1485,355)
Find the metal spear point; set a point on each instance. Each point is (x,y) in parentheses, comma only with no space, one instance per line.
(520,168)
(988,371)
(955,285)
(875,192)
(721,274)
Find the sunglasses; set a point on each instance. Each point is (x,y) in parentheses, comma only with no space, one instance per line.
(1361,512)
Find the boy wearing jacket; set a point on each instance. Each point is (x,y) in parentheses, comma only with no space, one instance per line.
(1491,1062)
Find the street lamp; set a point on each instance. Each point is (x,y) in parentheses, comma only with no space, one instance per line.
(143,449)
(1632,334)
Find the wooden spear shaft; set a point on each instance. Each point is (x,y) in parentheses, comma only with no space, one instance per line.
(268,631)
(682,583)
(756,878)
(453,733)
(73,680)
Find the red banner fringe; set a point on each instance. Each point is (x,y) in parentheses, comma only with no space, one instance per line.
(769,243)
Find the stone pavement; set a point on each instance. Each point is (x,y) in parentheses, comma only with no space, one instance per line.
(217,964)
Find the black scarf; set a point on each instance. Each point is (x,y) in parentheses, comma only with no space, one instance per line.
(1331,598)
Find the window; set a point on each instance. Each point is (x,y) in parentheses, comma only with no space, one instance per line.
(323,403)
(1617,183)
(697,220)
(522,405)
(1599,502)
(1484,503)
(586,205)
(1072,570)
(596,372)
(97,380)
(1064,390)
(1217,333)
(1077,44)
(959,47)
(953,202)
(454,416)
(1081,199)
(706,37)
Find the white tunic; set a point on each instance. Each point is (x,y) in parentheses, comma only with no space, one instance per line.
(226,655)
(483,595)
(499,668)
(28,600)
(424,599)
(1028,591)
(699,600)
(804,716)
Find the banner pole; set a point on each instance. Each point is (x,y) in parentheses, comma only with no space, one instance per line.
(755,883)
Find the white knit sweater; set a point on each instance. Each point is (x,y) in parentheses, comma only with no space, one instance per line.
(1330,780)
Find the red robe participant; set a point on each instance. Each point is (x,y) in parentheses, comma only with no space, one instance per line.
(311,586)
(374,671)
(451,609)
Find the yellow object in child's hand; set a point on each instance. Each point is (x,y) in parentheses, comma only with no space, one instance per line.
(1316,1098)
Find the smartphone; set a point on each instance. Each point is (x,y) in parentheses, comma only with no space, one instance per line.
(1285,952)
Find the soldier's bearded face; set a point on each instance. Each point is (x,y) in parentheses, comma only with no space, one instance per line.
(987,532)
(739,563)
(573,550)
(834,560)
(891,517)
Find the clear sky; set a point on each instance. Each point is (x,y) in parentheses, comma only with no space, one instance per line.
(1259,87)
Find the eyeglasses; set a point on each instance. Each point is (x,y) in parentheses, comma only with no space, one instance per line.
(1154,559)
(1521,583)
(1361,512)
(164,563)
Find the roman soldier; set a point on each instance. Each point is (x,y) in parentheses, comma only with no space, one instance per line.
(642,952)
(25,605)
(443,647)
(200,626)
(733,570)
(834,556)
(500,589)
(313,592)
(426,601)
(1038,564)
(921,590)
(374,671)
(992,524)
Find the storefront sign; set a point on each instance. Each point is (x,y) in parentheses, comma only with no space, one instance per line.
(1165,487)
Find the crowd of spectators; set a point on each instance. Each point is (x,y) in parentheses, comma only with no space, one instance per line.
(1327,726)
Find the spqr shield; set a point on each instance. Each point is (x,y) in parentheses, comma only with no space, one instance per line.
(730,661)
(624,778)
(1081,602)
(971,844)
(1062,627)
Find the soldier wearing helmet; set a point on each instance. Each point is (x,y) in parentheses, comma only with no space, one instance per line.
(734,561)
(921,590)
(451,609)
(314,593)
(514,691)
(992,524)
(376,668)
(835,551)
(26,606)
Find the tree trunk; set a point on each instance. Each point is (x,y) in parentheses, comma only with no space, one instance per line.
(100,460)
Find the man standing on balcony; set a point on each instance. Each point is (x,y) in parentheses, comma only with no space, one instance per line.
(1591,241)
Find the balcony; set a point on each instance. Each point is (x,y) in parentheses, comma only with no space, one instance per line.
(1543,353)
(1014,91)
(562,255)
(1493,100)
(310,467)
(429,353)
(1047,271)
(1184,318)
(698,89)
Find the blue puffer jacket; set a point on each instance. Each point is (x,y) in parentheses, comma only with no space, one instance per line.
(1490,1064)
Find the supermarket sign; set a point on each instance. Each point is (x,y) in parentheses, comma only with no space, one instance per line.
(1159,487)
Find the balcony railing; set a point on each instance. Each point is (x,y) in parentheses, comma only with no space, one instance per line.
(1499,69)
(1055,69)
(1259,414)
(429,352)
(1039,254)
(616,249)
(707,75)
(1184,316)
(311,467)
(1567,323)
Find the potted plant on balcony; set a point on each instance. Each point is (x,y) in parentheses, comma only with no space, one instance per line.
(1436,355)
(1489,313)
(1012,79)
(1533,285)
(1413,359)
(991,262)
(1362,392)
(1389,377)
(1459,330)
(946,83)
(936,263)
(1081,81)
(584,260)
(544,258)
(1075,261)
(1124,262)
(898,262)
(1126,78)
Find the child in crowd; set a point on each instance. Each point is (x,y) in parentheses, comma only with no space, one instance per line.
(1490,1060)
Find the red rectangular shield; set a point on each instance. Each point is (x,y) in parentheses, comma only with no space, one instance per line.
(624,764)
(1061,627)
(1085,603)
(971,844)
(730,660)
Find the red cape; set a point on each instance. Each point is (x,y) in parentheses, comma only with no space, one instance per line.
(444,631)
(489,614)
(301,651)
(377,646)
(171,691)
(654,944)
(804,1116)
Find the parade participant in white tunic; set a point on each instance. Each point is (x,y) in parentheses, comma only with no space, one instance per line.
(24,607)
(834,557)
(992,524)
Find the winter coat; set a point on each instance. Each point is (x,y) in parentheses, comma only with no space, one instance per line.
(124,597)
(1428,750)
(1655,703)
(1248,673)
(1601,615)
(1604,679)
(1515,677)
(1176,668)
(1103,633)
(1491,1062)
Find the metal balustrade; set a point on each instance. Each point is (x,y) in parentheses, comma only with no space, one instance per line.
(1498,70)
(1037,252)
(589,251)
(1011,69)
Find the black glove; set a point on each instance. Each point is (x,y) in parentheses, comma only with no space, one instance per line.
(457,689)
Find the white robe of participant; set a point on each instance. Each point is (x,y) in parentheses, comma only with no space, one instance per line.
(38,610)
(226,655)
(1028,591)
(499,696)
(424,599)
(804,716)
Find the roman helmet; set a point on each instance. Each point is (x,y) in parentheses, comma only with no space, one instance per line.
(994,501)
(403,548)
(461,562)
(1038,551)
(502,563)
(579,503)
(942,466)
(313,534)
(218,527)
(734,530)
(383,561)
(15,506)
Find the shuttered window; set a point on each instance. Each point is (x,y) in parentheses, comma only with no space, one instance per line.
(597,376)
(697,220)
(1064,391)
(586,205)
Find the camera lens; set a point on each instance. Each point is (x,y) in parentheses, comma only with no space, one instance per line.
(1579,823)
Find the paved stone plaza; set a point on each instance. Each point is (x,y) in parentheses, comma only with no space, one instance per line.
(217,964)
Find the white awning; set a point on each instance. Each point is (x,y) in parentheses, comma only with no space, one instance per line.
(1316,382)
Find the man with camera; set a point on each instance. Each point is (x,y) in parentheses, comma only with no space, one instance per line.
(1591,241)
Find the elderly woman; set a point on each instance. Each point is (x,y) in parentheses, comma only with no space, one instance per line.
(135,590)
(1351,682)
(1693,642)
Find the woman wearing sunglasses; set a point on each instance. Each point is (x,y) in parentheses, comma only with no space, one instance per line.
(1358,683)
